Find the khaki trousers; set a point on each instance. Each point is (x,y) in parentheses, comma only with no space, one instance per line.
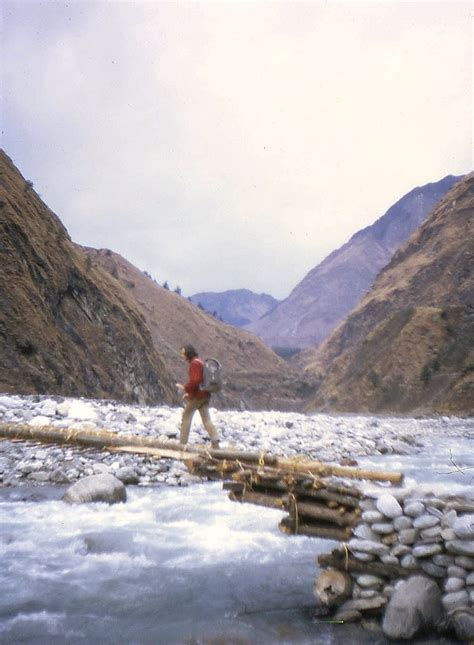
(189,409)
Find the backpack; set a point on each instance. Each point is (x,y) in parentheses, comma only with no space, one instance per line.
(212,376)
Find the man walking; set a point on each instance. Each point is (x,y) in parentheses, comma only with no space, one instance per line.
(194,397)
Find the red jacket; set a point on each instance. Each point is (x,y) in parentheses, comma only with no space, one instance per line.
(195,376)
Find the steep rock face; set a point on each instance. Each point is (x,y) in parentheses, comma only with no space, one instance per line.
(237,307)
(333,288)
(255,377)
(408,345)
(65,327)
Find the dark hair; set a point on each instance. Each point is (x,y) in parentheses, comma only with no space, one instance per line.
(189,352)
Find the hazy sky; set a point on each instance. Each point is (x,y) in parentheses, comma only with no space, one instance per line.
(221,145)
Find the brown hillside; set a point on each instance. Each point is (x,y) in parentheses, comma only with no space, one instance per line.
(409,344)
(65,326)
(254,375)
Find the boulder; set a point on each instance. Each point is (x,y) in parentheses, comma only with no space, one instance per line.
(462,621)
(414,607)
(96,488)
(127,475)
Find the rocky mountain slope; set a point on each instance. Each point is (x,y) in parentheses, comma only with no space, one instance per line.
(255,377)
(65,326)
(409,344)
(333,288)
(237,307)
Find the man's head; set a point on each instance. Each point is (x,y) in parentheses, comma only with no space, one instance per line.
(188,352)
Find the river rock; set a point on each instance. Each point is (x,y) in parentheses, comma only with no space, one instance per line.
(462,621)
(461,547)
(367,580)
(127,475)
(363,557)
(448,519)
(408,536)
(39,421)
(454,571)
(470,579)
(455,600)
(401,523)
(82,411)
(414,509)
(453,584)
(58,476)
(368,546)
(415,606)
(433,569)
(96,488)
(425,521)
(425,550)
(464,527)
(372,516)
(382,528)
(365,533)
(389,506)
(443,560)
(465,562)
(409,562)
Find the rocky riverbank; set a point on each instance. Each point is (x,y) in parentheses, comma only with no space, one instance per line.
(322,437)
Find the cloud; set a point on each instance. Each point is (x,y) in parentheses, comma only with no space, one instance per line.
(226,145)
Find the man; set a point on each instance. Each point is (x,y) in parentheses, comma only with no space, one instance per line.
(194,397)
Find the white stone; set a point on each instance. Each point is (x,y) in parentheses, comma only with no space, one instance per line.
(453,584)
(425,521)
(448,519)
(464,527)
(461,547)
(389,506)
(470,579)
(408,536)
(465,562)
(367,580)
(365,533)
(384,528)
(401,523)
(409,562)
(368,546)
(372,516)
(63,408)
(82,411)
(424,550)
(456,572)
(39,421)
(414,509)
(455,600)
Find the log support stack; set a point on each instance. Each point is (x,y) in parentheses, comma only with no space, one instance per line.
(318,504)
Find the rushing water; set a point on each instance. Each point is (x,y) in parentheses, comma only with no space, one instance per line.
(173,565)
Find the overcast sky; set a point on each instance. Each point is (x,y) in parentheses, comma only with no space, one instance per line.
(222,145)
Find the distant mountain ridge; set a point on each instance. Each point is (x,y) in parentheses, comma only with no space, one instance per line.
(330,291)
(408,345)
(238,307)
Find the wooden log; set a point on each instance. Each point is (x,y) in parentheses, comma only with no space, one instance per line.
(326,470)
(307,494)
(289,526)
(316,511)
(332,587)
(349,563)
(257,498)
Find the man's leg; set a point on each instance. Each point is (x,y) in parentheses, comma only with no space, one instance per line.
(188,412)
(210,427)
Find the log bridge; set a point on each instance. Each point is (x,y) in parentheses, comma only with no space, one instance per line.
(318,499)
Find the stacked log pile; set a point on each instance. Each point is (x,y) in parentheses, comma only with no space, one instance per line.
(318,502)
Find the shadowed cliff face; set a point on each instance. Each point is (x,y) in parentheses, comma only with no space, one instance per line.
(408,345)
(332,289)
(65,327)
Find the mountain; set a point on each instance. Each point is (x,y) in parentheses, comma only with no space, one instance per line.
(255,377)
(408,345)
(334,287)
(82,322)
(65,326)
(237,307)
